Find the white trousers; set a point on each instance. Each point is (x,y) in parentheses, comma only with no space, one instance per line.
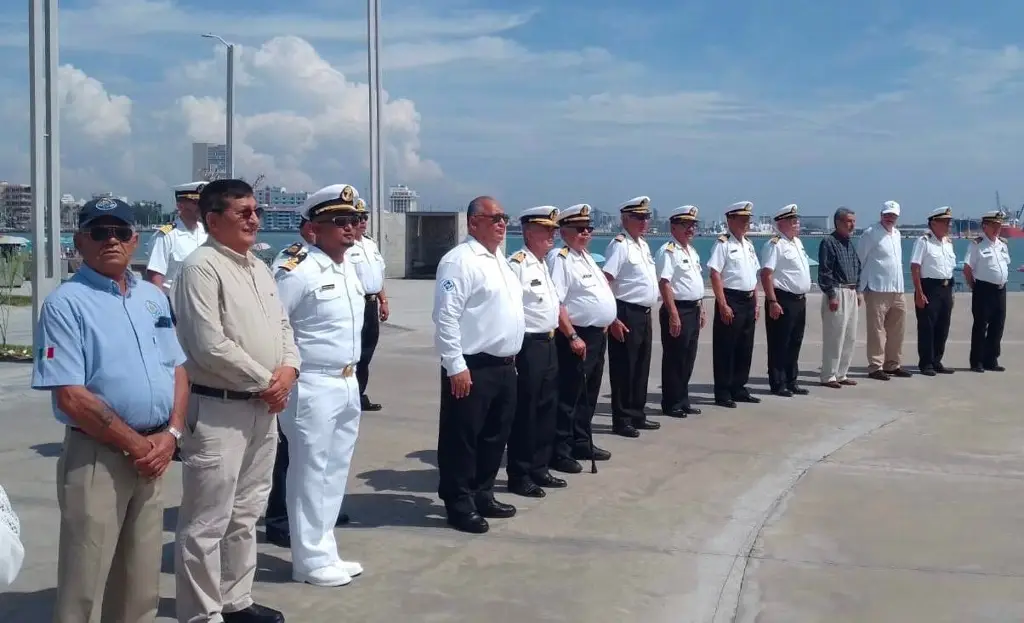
(838,335)
(321,432)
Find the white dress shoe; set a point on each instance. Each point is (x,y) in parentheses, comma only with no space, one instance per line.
(351,568)
(333,575)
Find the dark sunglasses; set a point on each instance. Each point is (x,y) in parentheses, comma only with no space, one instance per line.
(364,217)
(346,221)
(103,233)
(584,230)
(248,213)
(496,218)
(640,217)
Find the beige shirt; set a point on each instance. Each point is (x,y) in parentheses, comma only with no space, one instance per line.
(231,323)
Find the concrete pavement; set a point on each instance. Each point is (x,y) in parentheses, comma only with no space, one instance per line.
(894,501)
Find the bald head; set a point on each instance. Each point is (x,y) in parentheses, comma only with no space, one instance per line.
(478,205)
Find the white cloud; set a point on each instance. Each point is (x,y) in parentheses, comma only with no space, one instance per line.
(85,103)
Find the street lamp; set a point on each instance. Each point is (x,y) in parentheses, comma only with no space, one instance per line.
(229,131)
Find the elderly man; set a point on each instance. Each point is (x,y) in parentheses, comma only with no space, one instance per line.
(242,362)
(880,250)
(838,275)
(932,263)
(681,283)
(986,270)
(533,430)
(174,242)
(629,268)
(479,328)
(786,279)
(324,299)
(369,264)
(109,356)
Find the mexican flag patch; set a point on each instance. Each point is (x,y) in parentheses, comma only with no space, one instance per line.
(46,352)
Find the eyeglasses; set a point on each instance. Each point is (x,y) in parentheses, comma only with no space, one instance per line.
(248,213)
(496,218)
(640,217)
(584,230)
(346,221)
(102,233)
(364,217)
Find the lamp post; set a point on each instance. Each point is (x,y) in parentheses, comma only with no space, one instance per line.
(373,83)
(229,130)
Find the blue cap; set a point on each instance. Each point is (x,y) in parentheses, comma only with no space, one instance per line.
(107,206)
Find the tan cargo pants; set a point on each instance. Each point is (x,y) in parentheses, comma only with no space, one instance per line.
(886,314)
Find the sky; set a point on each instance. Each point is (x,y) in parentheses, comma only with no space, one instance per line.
(816,103)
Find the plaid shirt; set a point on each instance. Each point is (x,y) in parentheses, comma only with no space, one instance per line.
(838,264)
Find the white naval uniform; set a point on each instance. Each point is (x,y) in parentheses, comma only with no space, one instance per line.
(989,260)
(324,301)
(787,259)
(935,256)
(680,266)
(631,266)
(582,287)
(736,263)
(368,263)
(540,301)
(171,245)
(478,306)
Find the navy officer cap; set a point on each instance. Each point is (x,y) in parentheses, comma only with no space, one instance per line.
(107,206)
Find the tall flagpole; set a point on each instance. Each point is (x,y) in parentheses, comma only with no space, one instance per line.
(374,88)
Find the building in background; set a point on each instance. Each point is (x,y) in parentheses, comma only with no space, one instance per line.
(402,199)
(280,197)
(209,161)
(15,206)
(280,219)
(813,224)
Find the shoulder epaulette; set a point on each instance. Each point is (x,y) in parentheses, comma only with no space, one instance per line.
(774,239)
(1002,240)
(517,257)
(925,236)
(166,229)
(979,239)
(293,250)
(294,261)
(670,247)
(723,238)
(370,238)
(620,238)
(564,252)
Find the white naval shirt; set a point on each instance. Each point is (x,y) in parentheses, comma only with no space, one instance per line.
(582,288)
(287,253)
(989,260)
(540,301)
(478,306)
(680,266)
(935,256)
(171,245)
(368,264)
(631,267)
(787,259)
(881,260)
(736,262)
(324,301)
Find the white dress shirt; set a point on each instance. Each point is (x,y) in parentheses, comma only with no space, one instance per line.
(881,260)
(368,264)
(540,301)
(171,245)
(324,301)
(787,259)
(478,306)
(935,256)
(680,266)
(735,260)
(631,266)
(582,288)
(989,260)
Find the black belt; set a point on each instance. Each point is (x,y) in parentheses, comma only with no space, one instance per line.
(937,282)
(848,286)
(371,297)
(743,294)
(543,337)
(144,432)
(989,284)
(634,306)
(789,295)
(223,394)
(680,303)
(483,360)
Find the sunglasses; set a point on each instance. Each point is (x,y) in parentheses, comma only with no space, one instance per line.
(640,217)
(495,218)
(584,230)
(364,217)
(248,213)
(103,233)
(346,221)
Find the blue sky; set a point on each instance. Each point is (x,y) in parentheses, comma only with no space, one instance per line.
(775,101)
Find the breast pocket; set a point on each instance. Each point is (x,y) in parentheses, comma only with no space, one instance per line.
(166,341)
(329,299)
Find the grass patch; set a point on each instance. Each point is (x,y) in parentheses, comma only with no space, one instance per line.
(15,352)
(15,300)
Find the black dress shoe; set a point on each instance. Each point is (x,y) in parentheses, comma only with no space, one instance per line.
(995,368)
(798,391)
(899,372)
(526,488)
(941,369)
(584,454)
(254,614)
(676,413)
(977,369)
(279,536)
(493,509)
(879,375)
(565,465)
(928,371)
(627,430)
(547,480)
(748,398)
(691,410)
(343,519)
(473,522)
(728,403)
(646,424)
(369,406)
(785,393)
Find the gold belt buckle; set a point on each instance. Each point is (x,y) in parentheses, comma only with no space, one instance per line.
(551,334)
(348,371)
(945,282)
(750,294)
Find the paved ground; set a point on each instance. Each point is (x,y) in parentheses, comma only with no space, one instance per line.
(896,501)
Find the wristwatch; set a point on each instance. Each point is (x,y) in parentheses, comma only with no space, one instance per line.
(573,337)
(175,433)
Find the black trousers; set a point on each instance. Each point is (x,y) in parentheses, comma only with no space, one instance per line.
(579,385)
(276,516)
(678,355)
(472,432)
(933,322)
(785,336)
(533,430)
(629,364)
(368,339)
(988,305)
(733,346)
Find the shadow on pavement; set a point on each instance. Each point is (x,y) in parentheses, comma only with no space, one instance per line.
(33,606)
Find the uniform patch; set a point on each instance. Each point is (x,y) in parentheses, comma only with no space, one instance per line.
(564,252)
(294,261)
(670,247)
(620,238)
(448,285)
(329,286)
(979,239)
(535,282)
(47,352)
(166,229)
(774,239)
(294,249)
(153,309)
(723,238)
(517,257)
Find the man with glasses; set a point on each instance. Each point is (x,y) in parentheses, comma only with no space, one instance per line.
(587,308)
(242,362)
(986,270)
(479,327)
(629,268)
(173,242)
(324,299)
(369,265)
(109,356)
(681,283)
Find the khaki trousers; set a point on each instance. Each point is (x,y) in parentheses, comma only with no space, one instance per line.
(886,314)
(111,524)
(227,455)
(838,335)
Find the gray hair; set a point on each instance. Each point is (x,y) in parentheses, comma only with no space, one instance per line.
(476,205)
(842,213)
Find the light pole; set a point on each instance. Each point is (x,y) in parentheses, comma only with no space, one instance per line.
(229,131)
(373,80)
